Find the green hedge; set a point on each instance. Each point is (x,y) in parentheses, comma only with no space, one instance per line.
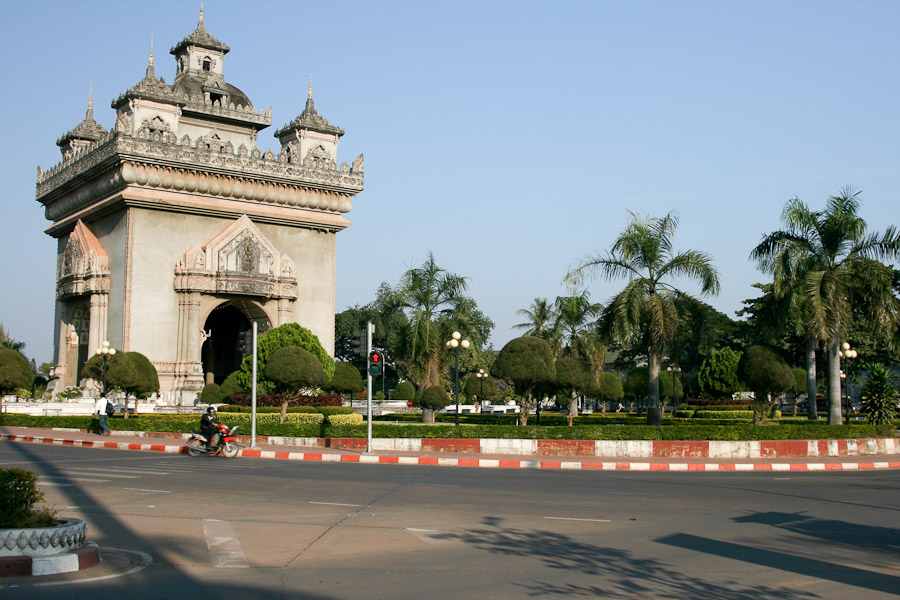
(352,419)
(672,429)
(728,414)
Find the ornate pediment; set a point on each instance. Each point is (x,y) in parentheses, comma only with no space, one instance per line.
(83,266)
(239,260)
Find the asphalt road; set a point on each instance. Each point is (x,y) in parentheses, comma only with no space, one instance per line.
(172,526)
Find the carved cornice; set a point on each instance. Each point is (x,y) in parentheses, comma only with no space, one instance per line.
(160,161)
(241,114)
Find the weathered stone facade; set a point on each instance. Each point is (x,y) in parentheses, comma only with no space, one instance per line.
(175,231)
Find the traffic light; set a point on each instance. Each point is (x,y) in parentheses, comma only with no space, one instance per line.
(375,363)
(245,342)
(358,343)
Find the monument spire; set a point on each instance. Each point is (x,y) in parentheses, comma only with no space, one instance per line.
(151,72)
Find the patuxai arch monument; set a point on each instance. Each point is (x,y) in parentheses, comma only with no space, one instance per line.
(175,232)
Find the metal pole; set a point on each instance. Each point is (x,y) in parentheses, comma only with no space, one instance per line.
(370,329)
(105,363)
(253,393)
(456,388)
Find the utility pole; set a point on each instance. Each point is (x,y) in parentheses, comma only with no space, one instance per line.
(370,329)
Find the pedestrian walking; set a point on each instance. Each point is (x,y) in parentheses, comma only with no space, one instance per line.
(102,408)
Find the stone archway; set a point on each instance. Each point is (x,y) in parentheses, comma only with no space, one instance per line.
(227,330)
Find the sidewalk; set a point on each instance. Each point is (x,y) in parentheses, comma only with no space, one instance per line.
(173,443)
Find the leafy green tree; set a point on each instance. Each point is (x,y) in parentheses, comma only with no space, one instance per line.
(7,341)
(635,385)
(879,395)
(294,370)
(610,388)
(481,387)
(15,372)
(526,362)
(718,378)
(572,379)
(289,334)
(432,399)
(429,292)
(767,375)
(405,390)
(347,379)
(650,307)
(145,382)
(130,372)
(231,385)
(391,331)
(831,259)
(799,380)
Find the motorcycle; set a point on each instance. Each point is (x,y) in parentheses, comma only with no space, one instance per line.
(227,447)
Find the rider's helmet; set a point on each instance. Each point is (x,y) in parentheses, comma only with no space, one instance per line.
(211,410)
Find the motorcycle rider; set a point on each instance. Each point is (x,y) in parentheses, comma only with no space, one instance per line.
(209,428)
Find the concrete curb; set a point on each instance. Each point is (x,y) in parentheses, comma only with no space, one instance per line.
(568,465)
(557,463)
(85,557)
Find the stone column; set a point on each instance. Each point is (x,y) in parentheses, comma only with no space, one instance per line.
(188,366)
(98,315)
(285,311)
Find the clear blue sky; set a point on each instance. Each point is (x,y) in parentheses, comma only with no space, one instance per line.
(508,138)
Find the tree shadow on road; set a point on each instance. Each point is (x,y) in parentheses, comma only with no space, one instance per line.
(619,573)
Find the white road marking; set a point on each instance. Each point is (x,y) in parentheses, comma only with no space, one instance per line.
(145,490)
(51,483)
(335,504)
(224,548)
(574,519)
(50,480)
(113,475)
(140,470)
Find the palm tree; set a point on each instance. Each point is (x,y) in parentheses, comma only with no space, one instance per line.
(832,262)
(541,318)
(574,317)
(429,292)
(649,308)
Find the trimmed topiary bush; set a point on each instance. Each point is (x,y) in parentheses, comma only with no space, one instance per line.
(15,371)
(353,419)
(432,399)
(405,390)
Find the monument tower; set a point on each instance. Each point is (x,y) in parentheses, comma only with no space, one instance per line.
(175,232)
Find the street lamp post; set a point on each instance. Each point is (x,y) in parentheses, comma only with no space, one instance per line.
(674,371)
(105,351)
(454,343)
(847,352)
(481,375)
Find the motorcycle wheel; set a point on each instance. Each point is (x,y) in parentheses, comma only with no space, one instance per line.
(230,450)
(193,449)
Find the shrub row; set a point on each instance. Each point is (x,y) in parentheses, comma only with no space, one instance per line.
(672,429)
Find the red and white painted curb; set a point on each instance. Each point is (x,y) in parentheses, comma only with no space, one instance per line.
(90,443)
(53,564)
(558,463)
(569,465)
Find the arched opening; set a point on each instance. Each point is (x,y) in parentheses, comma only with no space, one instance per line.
(228,329)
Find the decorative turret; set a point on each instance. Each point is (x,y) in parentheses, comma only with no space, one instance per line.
(314,138)
(84,134)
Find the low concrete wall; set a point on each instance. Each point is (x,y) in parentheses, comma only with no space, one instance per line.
(617,448)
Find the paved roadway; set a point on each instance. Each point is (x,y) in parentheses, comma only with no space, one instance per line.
(172,526)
